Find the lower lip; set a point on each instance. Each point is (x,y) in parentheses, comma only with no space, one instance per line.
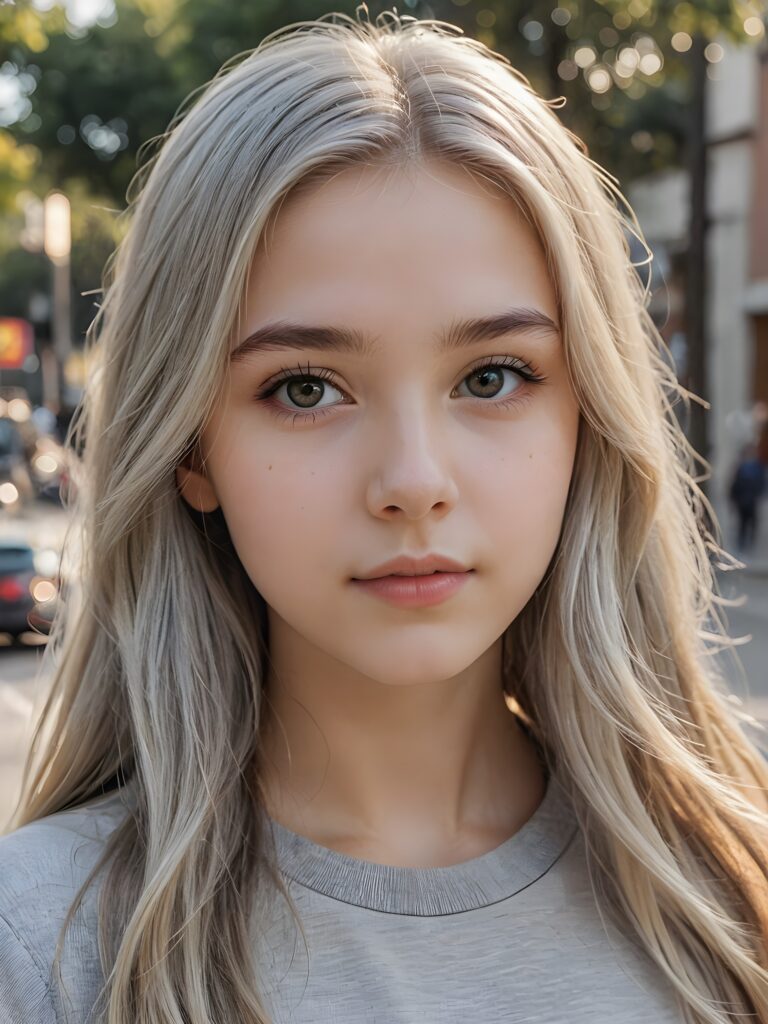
(416,591)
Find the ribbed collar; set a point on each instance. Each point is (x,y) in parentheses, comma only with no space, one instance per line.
(427,892)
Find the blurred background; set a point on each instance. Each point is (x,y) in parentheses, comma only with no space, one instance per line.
(671,98)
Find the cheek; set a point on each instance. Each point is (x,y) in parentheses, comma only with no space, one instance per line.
(281,512)
(521,503)
(523,475)
(523,510)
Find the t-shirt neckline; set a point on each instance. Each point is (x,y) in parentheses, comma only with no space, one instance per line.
(426,892)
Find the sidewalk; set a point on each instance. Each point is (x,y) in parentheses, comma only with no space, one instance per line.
(756,561)
(750,619)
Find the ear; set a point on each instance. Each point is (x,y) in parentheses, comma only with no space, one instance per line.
(194,486)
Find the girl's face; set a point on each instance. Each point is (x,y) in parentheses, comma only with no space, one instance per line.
(394,428)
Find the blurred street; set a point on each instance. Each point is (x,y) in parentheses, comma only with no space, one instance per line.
(42,525)
(749,620)
(22,691)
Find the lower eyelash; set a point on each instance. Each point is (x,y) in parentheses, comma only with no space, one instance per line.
(526,371)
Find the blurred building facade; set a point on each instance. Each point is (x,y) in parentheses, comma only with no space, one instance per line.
(737,257)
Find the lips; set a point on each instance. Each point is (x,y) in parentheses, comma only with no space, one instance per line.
(415,591)
(414,566)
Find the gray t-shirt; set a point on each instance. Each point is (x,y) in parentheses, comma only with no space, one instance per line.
(513,936)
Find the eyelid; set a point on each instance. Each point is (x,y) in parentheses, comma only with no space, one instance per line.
(288,372)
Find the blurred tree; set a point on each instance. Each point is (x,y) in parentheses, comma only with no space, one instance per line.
(100,93)
(19,164)
(97,93)
(619,64)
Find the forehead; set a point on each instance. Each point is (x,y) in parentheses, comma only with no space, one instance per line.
(379,247)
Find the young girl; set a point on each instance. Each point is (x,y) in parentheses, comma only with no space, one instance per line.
(387,694)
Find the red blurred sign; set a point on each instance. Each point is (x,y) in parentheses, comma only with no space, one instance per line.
(16,342)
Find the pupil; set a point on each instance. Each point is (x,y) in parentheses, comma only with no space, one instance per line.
(304,392)
(486,377)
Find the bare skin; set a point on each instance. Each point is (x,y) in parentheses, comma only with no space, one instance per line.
(388,736)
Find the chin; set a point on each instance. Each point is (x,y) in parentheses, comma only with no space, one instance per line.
(401,668)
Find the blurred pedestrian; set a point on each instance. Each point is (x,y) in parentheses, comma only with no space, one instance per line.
(747,486)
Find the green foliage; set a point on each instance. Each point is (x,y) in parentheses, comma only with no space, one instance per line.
(19,163)
(104,91)
(638,124)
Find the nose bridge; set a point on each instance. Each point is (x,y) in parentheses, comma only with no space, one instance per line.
(410,464)
(409,422)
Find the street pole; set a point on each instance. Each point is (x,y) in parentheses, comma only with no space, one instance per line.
(696,280)
(57,247)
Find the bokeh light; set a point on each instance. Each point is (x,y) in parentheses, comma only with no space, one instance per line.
(642,141)
(650,63)
(8,494)
(681,42)
(584,56)
(43,590)
(533,30)
(627,61)
(19,410)
(754,27)
(638,8)
(599,79)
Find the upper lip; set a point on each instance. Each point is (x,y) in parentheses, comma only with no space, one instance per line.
(407,565)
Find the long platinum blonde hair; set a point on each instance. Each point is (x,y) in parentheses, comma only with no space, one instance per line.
(158,665)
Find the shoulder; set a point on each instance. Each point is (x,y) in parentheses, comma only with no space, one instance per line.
(42,867)
(46,861)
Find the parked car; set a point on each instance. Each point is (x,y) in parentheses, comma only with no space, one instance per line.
(28,598)
(16,484)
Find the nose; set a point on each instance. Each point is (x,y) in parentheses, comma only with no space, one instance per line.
(411,474)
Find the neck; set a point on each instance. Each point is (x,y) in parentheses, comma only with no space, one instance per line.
(420,775)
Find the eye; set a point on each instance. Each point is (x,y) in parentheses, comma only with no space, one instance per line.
(304,388)
(490,377)
(306,391)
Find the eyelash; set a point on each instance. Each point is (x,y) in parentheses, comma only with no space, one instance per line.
(526,371)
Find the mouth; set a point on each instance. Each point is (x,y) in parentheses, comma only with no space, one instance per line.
(415,591)
(413,566)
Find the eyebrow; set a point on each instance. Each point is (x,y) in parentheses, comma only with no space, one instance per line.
(282,334)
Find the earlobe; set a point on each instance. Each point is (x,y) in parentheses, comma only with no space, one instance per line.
(196,488)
